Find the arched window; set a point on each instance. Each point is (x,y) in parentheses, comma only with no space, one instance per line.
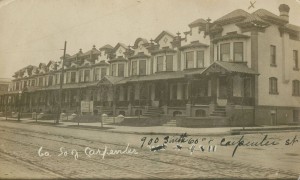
(296,88)
(273,85)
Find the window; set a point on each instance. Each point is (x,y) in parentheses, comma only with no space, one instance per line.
(41,81)
(273,55)
(68,76)
(81,77)
(25,84)
(114,70)
(50,81)
(273,85)
(296,88)
(238,53)
(134,67)
(225,52)
(33,82)
(295,57)
(86,75)
(73,77)
(142,67)
(200,59)
(189,60)
(121,70)
(103,72)
(160,63)
(97,74)
(57,78)
(169,62)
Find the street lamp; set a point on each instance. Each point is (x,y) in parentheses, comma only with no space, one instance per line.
(19,105)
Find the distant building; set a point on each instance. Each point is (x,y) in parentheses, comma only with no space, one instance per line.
(4,85)
(241,69)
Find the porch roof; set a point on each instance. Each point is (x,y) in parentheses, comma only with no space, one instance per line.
(240,67)
(69,86)
(31,88)
(166,75)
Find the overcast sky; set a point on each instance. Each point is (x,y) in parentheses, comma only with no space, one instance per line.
(34,31)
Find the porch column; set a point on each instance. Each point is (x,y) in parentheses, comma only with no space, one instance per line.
(189,104)
(214,81)
(229,81)
(167,93)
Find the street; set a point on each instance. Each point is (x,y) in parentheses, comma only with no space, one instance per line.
(47,151)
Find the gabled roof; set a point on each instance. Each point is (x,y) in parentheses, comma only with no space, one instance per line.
(237,67)
(236,14)
(197,22)
(162,34)
(120,45)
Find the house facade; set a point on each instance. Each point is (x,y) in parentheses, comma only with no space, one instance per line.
(241,69)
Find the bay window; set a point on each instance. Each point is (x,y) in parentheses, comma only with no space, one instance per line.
(238,51)
(225,52)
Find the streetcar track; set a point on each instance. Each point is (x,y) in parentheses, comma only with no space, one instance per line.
(210,159)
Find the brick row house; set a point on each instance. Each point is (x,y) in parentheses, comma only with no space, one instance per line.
(241,69)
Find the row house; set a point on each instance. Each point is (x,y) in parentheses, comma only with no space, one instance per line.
(241,69)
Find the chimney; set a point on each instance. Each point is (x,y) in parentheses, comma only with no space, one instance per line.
(284,11)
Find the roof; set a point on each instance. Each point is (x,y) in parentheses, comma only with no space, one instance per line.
(109,80)
(120,44)
(162,34)
(163,50)
(119,58)
(197,22)
(265,14)
(139,55)
(165,75)
(5,80)
(92,51)
(69,86)
(137,41)
(293,27)
(107,46)
(238,67)
(230,36)
(238,13)
(193,45)
(31,88)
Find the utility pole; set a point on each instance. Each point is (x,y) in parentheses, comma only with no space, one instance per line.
(61,83)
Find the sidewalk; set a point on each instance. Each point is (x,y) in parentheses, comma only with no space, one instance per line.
(161,130)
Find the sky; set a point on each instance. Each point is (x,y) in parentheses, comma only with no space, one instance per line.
(34,31)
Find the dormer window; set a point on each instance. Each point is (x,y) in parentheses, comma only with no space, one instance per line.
(225,52)
(189,60)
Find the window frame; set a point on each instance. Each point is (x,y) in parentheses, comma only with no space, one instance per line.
(234,51)
(273,85)
(221,54)
(144,61)
(169,66)
(273,56)
(134,69)
(159,58)
(191,60)
(296,59)
(296,88)
(203,58)
(121,71)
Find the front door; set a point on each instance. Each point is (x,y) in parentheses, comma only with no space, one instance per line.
(222,91)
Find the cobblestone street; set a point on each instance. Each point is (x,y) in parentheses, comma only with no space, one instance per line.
(69,156)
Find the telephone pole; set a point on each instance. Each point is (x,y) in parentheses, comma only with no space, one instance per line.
(61,83)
